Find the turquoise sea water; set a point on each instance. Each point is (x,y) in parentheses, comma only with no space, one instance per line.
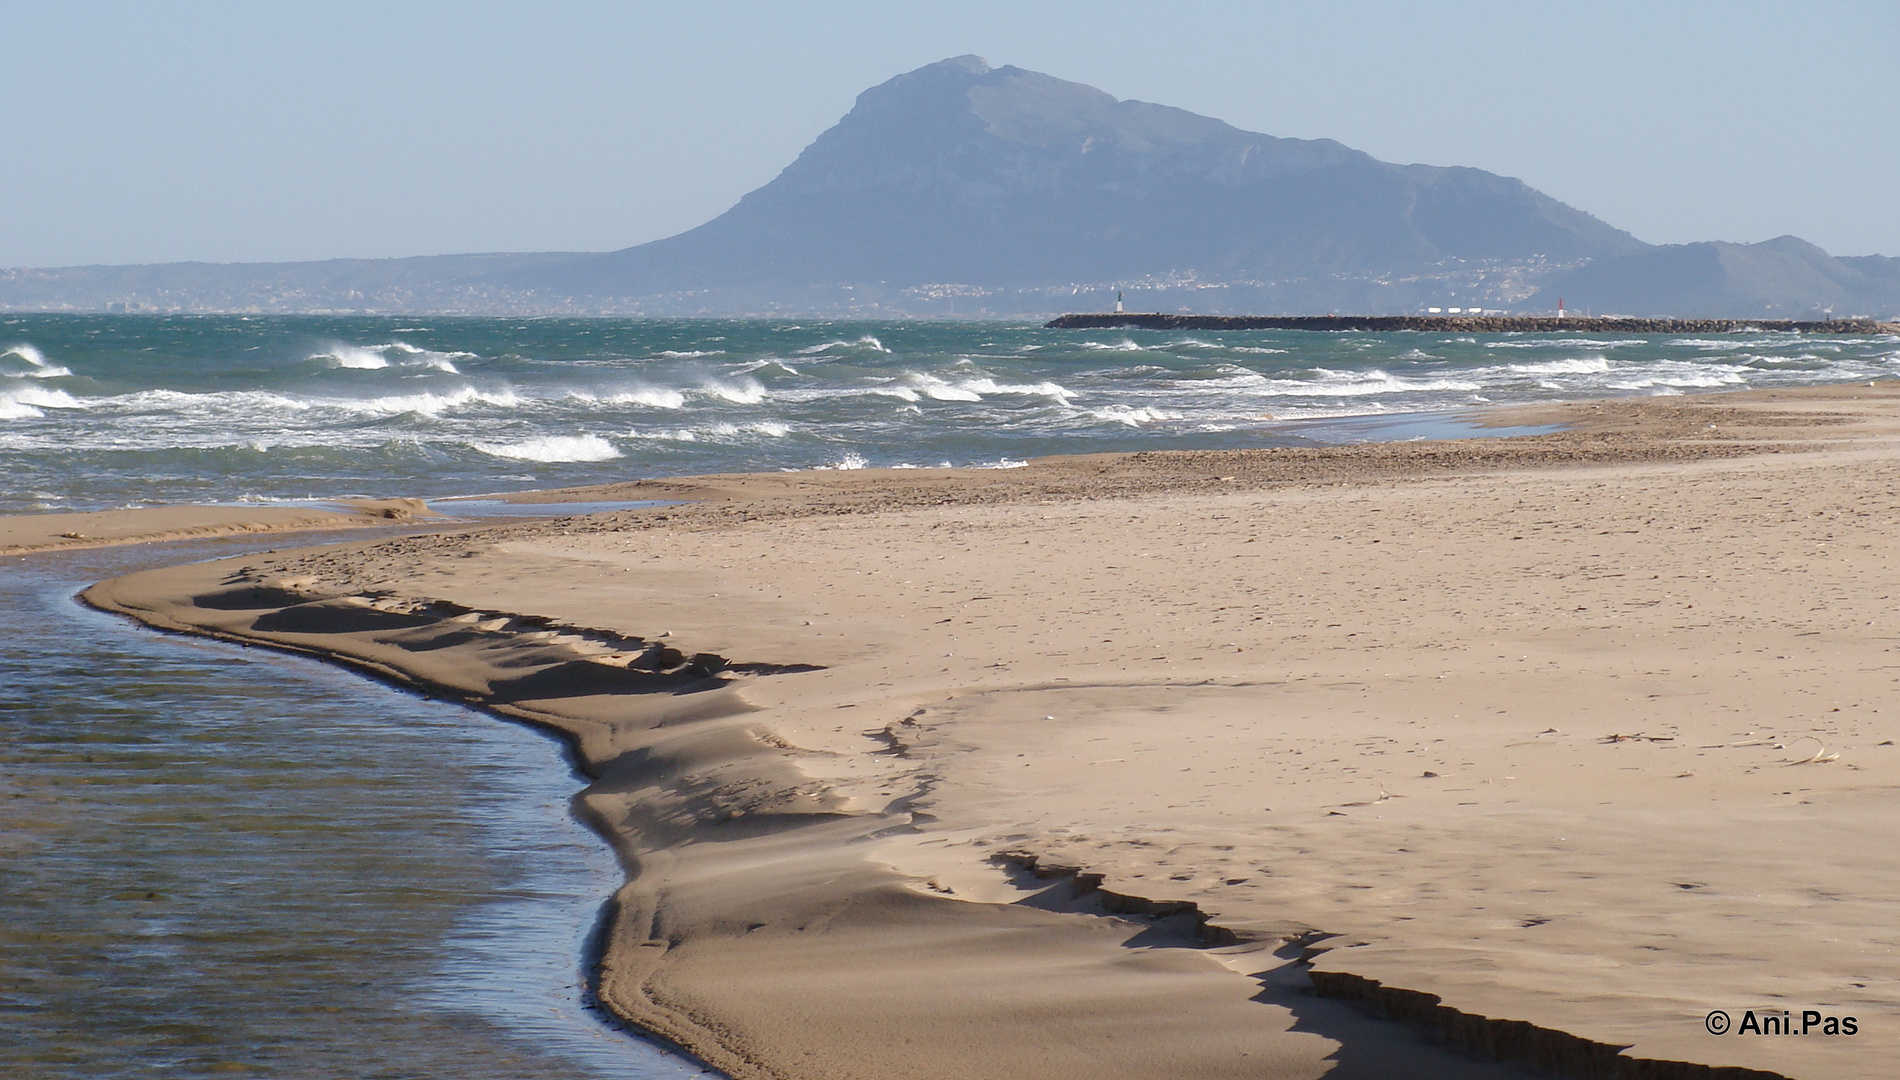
(99,411)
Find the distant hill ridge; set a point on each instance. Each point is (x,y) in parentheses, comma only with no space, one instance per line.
(962,189)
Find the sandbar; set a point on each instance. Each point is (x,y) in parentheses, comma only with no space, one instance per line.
(24,533)
(1402,759)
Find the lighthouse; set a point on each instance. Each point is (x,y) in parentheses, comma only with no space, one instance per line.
(1118,301)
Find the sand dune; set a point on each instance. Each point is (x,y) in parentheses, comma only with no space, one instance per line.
(1098,768)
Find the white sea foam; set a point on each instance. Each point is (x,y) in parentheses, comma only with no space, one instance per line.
(715,432)
(428,404)
(949,392)
(760,365)
(36,365)
(1727,344)
(851,460)
(1563,343)
(1124,345)
(552,448)
(1370,408)
(26,402)
(1134,416)
(653,397)
(741,391)
(429,357)
(688,354)
(1678,381)
(937,389)
(1194,343)
(865,342)
(1357,384)
(376,357)
(222,405)
(1038,389)
(1583,365)
(972,388)
(349,356)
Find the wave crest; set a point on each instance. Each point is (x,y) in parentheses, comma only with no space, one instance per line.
(653,397)
(26,402)
(552,448)
(1133,415)
(867,341)
(740,391)
(377,357)
(36,365)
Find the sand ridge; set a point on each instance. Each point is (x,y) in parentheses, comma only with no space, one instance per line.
(22,533)
(1581,731)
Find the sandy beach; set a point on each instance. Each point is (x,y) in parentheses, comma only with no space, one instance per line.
(1401,759)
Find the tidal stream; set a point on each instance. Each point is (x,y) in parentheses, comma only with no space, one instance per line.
(223,861)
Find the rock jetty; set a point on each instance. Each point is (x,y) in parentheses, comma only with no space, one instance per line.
(1470,324)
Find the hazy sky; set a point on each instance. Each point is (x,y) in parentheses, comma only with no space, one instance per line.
(157,131)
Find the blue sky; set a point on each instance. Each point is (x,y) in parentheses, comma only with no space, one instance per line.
(146,132)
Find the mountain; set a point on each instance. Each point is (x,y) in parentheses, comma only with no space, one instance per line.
(959,173)
(1786,277)
(964,189)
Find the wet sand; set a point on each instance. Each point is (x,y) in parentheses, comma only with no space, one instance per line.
(22,533)
(1097,767)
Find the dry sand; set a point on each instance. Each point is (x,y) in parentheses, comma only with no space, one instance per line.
(1548,745)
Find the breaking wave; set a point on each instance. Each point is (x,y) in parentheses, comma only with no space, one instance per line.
(741,391)
(387,355)
(867,342)
(651,397)
(22,402)
(426,403)
(35,367)
(552,448)
(1588,365)
(715,432)
(1134,416)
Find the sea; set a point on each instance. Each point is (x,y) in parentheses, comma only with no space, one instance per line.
(100,411)
(221,861)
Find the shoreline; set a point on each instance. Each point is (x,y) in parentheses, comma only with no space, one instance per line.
(746,818)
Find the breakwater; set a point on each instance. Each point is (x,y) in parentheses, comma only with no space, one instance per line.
(1470,324)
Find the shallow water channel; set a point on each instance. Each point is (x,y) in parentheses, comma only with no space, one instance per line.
(216,860)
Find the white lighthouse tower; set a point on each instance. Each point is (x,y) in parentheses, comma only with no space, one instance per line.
(1118,301)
